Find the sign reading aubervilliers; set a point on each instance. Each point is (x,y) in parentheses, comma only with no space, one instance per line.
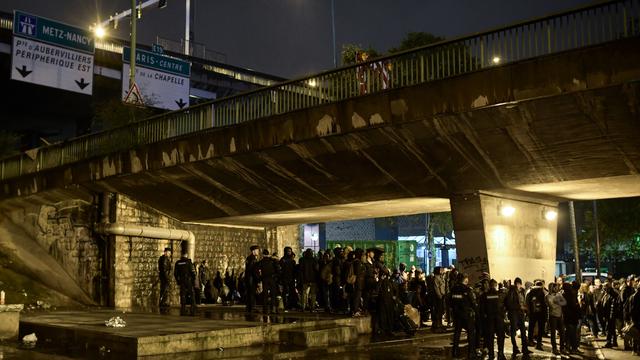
(163,80)
(50,53)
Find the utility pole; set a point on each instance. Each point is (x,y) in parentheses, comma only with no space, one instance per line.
(595,225)
(132,67)
(574,237)
(187,26)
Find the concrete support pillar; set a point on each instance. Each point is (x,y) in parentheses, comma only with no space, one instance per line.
(522,244)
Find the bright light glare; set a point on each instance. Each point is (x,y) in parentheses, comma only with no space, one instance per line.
(550,215)
(100,32)
(496,59)
(507,210)
(312,82)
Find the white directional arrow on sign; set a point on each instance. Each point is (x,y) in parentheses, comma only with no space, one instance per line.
(44,64)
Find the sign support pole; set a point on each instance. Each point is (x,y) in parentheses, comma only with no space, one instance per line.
(132,68)
(187,28)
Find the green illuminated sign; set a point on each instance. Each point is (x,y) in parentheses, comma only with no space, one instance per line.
(52,32)
(158,62)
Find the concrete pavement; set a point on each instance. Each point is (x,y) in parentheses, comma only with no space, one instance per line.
(424,345)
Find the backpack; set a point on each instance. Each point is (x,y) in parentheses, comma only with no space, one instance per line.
(351,275)
(536,303)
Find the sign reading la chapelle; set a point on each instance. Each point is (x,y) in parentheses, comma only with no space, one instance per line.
(163,80)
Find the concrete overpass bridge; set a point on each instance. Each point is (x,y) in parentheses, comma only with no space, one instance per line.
(526,115)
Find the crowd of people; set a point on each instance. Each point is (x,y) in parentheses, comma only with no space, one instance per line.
(357,282)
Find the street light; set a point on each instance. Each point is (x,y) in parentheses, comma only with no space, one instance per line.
(135,13)
(507,210)
(550,215)
(99,31)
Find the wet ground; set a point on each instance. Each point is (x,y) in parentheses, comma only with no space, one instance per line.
(424,345)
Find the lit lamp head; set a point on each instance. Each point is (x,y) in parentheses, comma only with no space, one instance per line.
(496,60)
(506,210)
(550,215)
(99,31)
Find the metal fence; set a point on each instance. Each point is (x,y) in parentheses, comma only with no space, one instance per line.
(196,49)
(586,26)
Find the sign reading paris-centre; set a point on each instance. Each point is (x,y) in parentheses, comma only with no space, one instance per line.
(50,53)
(163,80)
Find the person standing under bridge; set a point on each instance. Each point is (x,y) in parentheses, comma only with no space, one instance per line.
(251,277)
(164,270)
(185,274)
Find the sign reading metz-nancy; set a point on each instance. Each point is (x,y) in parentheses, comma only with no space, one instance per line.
(50,53)
(163,80)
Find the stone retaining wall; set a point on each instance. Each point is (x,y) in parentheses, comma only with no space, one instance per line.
(136,282)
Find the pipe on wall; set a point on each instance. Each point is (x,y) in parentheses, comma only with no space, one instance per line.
(150,232)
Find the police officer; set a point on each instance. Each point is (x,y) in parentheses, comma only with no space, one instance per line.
(251,276)
(482,330)
(268,269)
(492,305)
(464,315)
(185,274)
(164,273)
(287,268)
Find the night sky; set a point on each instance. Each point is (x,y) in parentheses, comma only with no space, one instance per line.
(292,38)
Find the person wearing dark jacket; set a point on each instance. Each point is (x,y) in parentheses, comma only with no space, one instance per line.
(204,278)
(612,309)
(571,315)
(370,281)
(230,283)
(164,273)
(358,270)
(417,287)
(515,304)
(218,282)
(185,273)
(634,314)
(385,310)
(464,315)
(348,287)
(627,292)
(308,277)
(267,269)
(213,289)
(287,278)
(251,277)
(337,285)
(537,312)
(492,305)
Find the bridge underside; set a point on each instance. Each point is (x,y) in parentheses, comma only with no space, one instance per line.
(570,133)
(547,146)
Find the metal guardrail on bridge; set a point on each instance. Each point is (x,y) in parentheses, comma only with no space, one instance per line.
(586,26)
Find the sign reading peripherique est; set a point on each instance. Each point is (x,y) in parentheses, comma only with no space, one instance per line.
(163,80)
(50,53)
